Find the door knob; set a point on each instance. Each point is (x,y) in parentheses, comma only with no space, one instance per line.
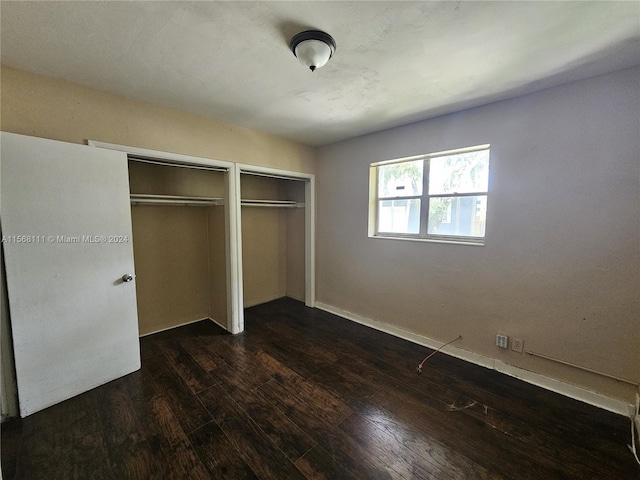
(127,277)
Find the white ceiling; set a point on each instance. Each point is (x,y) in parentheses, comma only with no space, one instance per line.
(395,63)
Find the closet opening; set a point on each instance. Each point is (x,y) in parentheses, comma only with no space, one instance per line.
(183,215)
(276,235)
(178,220)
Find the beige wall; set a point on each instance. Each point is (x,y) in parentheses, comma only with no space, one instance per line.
(295,225)
(217,265)
(170,248)
(263,262)
(168,180)
(46,107)
(561,264)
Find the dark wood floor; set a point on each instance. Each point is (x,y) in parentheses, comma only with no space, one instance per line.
(305,394)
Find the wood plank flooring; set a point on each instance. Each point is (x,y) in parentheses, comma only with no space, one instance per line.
(303,394)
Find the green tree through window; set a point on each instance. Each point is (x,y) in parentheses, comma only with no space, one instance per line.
(436,196)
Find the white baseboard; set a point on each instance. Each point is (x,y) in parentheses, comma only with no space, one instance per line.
(224,327)
(182,325)
(253,302)
(548,383)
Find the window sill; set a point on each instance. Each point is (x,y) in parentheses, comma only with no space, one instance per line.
(473,243)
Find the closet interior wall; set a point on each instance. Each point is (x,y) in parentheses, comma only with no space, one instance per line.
(179,250)
(273,240)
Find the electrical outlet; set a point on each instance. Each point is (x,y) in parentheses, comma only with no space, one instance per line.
(502,340)
(517,345)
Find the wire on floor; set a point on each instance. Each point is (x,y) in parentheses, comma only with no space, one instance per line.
(419,367)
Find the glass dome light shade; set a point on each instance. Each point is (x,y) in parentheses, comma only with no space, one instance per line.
(313,53)
(313,48)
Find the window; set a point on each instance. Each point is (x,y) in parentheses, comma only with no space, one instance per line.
(440,196)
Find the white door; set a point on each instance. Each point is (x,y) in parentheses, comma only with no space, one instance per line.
(66,228)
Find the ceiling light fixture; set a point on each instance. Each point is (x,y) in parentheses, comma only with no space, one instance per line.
(313,48)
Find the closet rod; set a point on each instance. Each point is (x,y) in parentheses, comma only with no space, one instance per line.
(154,161)
(273,205)
(184,203)
(271,202)
(146,199)
(271,175)
(245,202)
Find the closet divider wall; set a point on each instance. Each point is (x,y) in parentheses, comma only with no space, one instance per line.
(295,224)
(178,221)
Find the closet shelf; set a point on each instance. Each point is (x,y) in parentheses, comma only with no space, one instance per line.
(245,202)
(175,200)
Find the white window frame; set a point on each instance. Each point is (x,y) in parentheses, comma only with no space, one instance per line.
(423,235)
